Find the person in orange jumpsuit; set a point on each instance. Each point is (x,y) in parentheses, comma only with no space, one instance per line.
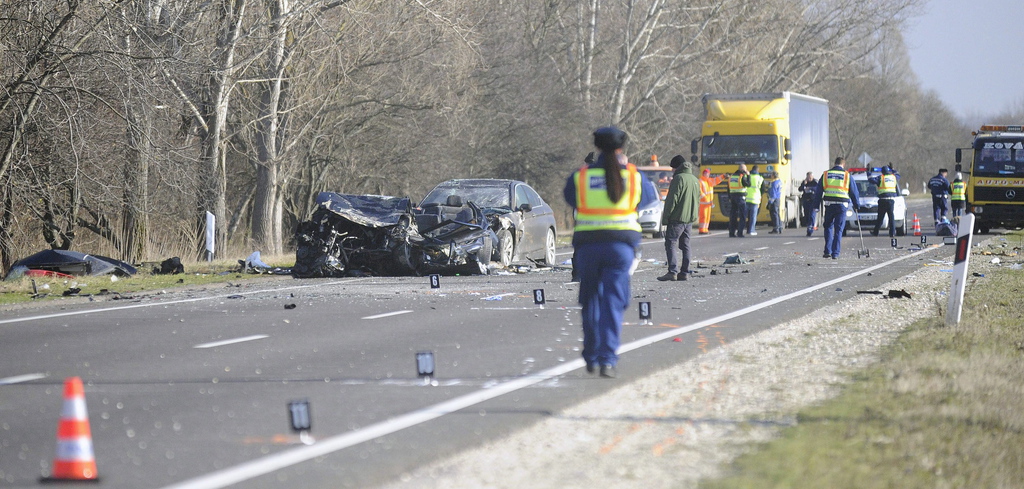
(707,198)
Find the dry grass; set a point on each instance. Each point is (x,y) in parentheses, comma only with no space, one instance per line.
(196,273)
(942,409)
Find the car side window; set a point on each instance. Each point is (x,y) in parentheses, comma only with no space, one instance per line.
(535,199)
(521,197)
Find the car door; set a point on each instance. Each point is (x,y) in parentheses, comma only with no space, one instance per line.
(528,239)
(543,217)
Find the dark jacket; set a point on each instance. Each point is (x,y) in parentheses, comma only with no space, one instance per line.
(683,199)
(939,186)
(807,190)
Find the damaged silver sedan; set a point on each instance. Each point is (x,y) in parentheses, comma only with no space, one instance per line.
(460,227)
(355,235)
(522,221)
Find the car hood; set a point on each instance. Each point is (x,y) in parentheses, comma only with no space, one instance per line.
(375,211)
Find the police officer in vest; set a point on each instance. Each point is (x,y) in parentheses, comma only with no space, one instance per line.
(838,196)
(958,195)
(737,202)
(752,199)
(606,196)
(888,190)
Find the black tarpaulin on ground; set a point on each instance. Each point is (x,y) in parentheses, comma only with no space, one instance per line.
(75,263)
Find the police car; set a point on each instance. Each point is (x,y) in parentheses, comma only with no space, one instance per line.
(868,212)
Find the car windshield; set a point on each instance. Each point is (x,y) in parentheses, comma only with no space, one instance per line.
(661,178)
(866,189)
(490,196)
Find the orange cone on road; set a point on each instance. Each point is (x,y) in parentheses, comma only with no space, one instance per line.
(917,226)
(74,460)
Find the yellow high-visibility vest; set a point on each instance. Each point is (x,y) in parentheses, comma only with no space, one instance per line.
(836,185)
(959,191)
(887,184)
(754,190)
(595,211)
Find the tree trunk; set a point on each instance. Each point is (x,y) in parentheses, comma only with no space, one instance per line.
(135,212)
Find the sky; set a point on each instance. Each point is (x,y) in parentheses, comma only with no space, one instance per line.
(970,53)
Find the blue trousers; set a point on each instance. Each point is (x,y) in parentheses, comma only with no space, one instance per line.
(751,210)
(939,207)
(835,220)
(810,215)
(604,295)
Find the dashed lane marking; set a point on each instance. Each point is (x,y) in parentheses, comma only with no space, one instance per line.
(232,341)
(388,314)
(17,379)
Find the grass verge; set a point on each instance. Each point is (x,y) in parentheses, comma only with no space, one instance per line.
(941,409)
(20,290)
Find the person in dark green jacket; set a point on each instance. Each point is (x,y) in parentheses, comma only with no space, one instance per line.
(681,206)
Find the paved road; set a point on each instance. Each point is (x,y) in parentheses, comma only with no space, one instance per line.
(192,391)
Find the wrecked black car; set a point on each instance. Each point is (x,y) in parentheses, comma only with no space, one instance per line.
(522,221)
(355,235)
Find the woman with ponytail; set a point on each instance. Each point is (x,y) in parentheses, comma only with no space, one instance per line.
(606,195)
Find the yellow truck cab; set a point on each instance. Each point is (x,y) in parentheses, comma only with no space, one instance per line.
(995,177)
(786,134)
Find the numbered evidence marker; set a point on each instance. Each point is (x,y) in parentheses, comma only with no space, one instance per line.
(924,239)
(538,297)
(435,281)
(425,366)
(893,241)
(963,254)
(301,420)
(645,312)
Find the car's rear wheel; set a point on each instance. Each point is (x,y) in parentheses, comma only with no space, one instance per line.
(901,229)
(549,248)
(506,247)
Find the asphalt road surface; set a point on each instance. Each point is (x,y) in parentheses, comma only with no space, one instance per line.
(190,389)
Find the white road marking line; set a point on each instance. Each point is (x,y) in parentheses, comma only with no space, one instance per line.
(167,303)
(812,239)
(387,314)
(232,341)
(761,248)
(270,463)
(17,379)
(789,242)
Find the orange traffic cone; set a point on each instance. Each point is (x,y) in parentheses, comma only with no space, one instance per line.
(917,226)
(74,460)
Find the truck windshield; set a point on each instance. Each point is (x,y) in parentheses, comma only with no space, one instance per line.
(741,149)
(999,158)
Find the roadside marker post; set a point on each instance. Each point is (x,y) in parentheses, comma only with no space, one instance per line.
(960,262)
(425,367)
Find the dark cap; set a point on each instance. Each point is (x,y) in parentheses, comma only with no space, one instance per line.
(677,160)
(943,170)
(885,170)
(609,138)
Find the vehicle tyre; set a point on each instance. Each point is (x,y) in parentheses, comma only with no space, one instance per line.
(660,233)
(901,228)
(549,248)
(506,251)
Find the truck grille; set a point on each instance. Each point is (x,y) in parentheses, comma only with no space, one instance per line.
(998,194)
